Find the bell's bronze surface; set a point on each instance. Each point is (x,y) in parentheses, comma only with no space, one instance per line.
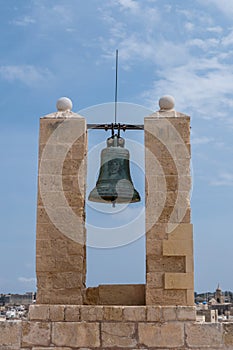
(114,184)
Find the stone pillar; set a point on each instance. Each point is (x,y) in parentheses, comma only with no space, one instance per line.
(169,238)
(60,235)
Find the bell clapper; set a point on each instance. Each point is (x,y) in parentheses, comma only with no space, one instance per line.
(114,204)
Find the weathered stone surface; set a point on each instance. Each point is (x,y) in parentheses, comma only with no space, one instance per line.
(56,312)
(91,313)
(165,297)
(168,313)
(113,313)
(155,279)
(10,334)
(122,294)
(165,264)
(182,231)
(154,247)
(38,312)
(169,335)
(179,280)
(178,247)
(117,294)
(118,334)
(154,313)
(36,333)
(134,313)
(201,335)
(72,313)
(186,313)
(228,334)
(76,334)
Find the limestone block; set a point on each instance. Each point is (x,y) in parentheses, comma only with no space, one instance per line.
(67,280)
(42,216)
(38,312)
(44,281)
(76,334)
(112,313)
(165,264)
(204,335)
(154,247)
(190,297)
(168,313)
(155,279)
(67,263)
(122,294)
(165,214)
(91,296)
(156,231)
(168,150)
(60,296)
(169,335)
(72,183)
(56,313)
(179,280)
(72,313)
(118,334)
(228,334)
(45,263)
(92,313)
(47,231)
(71,166)
(186,313)
(165,166)
(178,247)
(134,313)
(154,313)
(10,335)
(35,333)
(182,231)
(168,128)
(189,263)
(47,127)
(165,296)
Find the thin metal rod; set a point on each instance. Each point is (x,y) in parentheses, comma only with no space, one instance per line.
(116,127)
(116,86)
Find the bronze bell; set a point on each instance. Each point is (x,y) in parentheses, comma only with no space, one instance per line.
(114,183)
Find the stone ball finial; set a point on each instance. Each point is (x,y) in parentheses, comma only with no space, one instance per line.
(64,104)
(166,102)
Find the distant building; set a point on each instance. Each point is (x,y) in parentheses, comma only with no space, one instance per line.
(17,299)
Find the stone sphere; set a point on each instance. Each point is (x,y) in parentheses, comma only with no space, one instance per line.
(167,102)
(64,104)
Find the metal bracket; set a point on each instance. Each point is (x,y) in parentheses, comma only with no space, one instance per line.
(116,126)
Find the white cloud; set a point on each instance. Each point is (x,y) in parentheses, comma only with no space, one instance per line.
(24,21)
(128,4)
(27,279)
(26,74)
(201,140)
(224,179)
(225,6)
(228,39)
(216,29)
(189,26)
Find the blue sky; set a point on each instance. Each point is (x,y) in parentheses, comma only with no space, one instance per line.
(59,48)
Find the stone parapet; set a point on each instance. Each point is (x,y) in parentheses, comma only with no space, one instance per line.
(70,327)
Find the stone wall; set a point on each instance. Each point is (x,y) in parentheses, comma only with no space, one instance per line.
(60,233)
(169,236)
(67,327)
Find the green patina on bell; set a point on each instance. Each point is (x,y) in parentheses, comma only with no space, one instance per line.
(114,184)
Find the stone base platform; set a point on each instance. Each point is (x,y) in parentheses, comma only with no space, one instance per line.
(57,327)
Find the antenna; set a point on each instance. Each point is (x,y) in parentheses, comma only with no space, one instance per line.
(116,86)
